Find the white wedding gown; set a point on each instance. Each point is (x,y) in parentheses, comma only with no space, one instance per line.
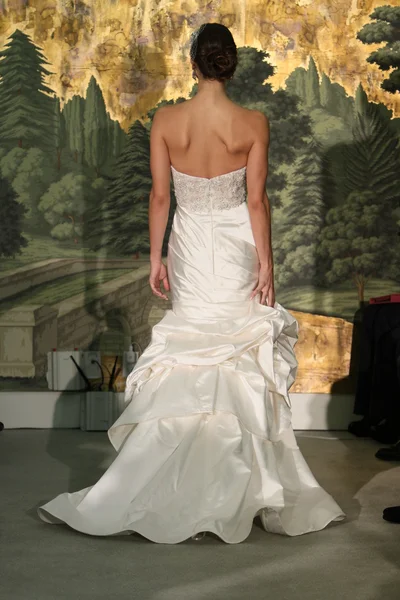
(205,442)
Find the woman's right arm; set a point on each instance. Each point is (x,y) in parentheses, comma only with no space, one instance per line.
(259,207)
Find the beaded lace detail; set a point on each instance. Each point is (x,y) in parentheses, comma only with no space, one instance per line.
(202,195)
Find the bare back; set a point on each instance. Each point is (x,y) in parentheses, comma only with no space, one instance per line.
(208,136)
(206,141)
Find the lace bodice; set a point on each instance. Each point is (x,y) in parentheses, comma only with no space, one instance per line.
(204,195)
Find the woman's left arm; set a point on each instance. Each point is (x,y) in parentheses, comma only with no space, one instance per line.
(160,196)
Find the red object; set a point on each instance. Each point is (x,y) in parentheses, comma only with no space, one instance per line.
(385,299)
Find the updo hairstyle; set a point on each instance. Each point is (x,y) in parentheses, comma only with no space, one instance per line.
(216,52)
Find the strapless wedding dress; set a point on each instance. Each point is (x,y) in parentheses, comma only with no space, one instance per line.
(205,442)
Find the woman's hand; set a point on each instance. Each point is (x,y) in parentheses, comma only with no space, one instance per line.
(265,285)
(158,273)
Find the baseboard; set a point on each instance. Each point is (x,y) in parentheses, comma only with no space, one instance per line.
(47,410)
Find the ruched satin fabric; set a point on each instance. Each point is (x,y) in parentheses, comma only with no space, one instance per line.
(205,442)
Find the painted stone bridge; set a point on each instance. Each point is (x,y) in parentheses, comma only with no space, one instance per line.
(126,309)
(28,332)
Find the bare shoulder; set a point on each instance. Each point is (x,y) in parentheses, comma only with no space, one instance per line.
(163,113)
(166,116)
(254,124)
(260,123)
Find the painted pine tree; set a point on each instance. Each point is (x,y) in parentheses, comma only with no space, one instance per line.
(335,99)
(124,209)
(118,137)
(60,136)
(312,94)
(95,127)
(296,83)
(295,249)
(373,159)
(27,117)
(124,223)
(74,111)
(305,84)
(11,216)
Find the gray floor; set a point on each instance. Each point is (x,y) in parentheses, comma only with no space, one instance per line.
(355,559)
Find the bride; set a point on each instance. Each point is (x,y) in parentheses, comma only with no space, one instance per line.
(205,442)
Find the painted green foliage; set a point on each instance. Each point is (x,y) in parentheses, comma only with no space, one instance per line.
(56,159)
(357,239)
(295,245)
(11,214)
(341,217)
(385,28)
(70,172)
(123,222)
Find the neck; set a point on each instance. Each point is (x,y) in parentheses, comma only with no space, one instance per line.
(210,89)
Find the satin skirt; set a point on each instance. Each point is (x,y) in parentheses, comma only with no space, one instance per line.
(205,442)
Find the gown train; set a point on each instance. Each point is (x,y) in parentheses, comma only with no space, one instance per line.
(205,442)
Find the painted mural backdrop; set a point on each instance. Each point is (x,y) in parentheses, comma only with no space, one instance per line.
(80,82)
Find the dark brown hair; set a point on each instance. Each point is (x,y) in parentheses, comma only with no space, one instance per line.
(216,52)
